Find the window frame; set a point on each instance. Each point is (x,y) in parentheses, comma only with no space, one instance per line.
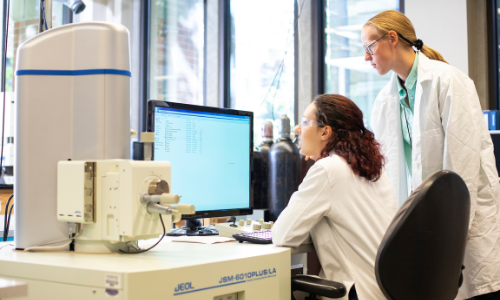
(296,64)
(4,21)
(225,53)
(493,52)
(318,39)
(145,30)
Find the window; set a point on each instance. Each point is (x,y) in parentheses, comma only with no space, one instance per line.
(176,59)
(23,25)
(262,59)
(346,71)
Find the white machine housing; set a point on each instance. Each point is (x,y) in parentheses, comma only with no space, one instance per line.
(73,103)
(75,191)
(106,197)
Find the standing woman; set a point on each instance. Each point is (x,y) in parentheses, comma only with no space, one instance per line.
(428,118)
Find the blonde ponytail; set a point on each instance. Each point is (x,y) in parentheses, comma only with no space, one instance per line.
(432,54)
(394,20)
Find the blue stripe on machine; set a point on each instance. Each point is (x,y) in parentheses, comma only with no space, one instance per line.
(73,72)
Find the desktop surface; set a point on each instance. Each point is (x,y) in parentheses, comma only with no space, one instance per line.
(167,255)
(169,271)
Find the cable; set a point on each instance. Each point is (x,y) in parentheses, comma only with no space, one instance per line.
(78,226)
(4,72)
(55,246)
(44,18)
(6,246)
(5,218)
(5,229)
(144,250)
(6,232)
(50,246)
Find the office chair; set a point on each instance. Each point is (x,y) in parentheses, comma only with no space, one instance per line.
(422,252)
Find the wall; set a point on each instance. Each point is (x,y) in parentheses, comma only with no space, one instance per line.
(442,25)
(457,29)
(478,51)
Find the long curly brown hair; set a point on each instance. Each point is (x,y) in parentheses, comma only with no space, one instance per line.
(350,139)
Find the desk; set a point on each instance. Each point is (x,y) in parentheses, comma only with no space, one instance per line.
(10,288)
(181,271)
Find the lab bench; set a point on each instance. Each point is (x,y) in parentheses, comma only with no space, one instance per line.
(171,270)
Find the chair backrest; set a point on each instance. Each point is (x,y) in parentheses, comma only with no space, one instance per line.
(422,252)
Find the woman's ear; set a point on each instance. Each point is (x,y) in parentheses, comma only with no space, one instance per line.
(393,37)
(327,133)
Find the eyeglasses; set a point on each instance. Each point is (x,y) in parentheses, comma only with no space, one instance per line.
(369,46)
(305,122)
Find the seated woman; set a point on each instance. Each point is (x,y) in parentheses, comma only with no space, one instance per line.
(346,201)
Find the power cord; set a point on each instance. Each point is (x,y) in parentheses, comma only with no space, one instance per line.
(76,229)
(44,18)
(6,220)
(6,232)
(8,245)
(4,73)
(144,250)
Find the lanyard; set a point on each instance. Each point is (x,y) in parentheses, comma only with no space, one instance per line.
(404,110)
(409,135)
(407,126)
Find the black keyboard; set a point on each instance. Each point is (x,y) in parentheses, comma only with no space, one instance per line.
(256,237)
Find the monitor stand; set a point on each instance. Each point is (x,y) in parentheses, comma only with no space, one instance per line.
(193,227)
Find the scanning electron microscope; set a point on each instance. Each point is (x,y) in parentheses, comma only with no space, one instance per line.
(74,182)
(73,147)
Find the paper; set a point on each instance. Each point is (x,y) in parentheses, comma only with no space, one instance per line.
(203,239)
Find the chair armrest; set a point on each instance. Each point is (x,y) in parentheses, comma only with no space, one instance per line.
(318,286)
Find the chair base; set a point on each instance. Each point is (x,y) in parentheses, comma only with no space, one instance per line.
(317,287)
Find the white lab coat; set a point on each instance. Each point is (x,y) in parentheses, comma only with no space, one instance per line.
(448,133)
(346,217)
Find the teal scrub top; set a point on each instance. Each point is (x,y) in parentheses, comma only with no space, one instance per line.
(407,121)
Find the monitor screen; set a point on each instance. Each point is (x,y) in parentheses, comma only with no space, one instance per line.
(209,150)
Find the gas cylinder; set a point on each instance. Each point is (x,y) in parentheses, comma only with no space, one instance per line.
(284,170)
(261,167)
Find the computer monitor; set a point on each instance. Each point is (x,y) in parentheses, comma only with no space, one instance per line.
(210,152)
